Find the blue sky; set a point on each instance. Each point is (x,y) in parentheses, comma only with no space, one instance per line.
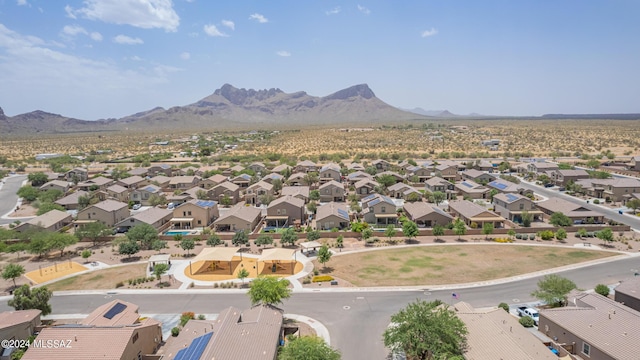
(110,58)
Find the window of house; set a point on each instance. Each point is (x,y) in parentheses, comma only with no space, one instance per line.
(184,214)
(189,213)
(383,209)
(284,211)
(586,349)
(135,337)
(521,206)
(277,211)
(199,222)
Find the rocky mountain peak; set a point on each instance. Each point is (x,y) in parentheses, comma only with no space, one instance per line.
(2,116)
(361,90)
(241,96)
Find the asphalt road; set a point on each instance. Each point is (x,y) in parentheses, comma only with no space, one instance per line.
(632,221)
(356,320)
(8,197)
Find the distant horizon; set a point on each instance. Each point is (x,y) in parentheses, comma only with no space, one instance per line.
(99,59)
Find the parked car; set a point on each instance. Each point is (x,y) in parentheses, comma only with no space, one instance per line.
(171,206)
(549,185)
(137,206)
(529,311)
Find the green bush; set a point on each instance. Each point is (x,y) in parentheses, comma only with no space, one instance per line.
(119,284)
(519,236)
(596,201)
(175,331)
(504,306)
(546,235)
(532,236)
(527,321)
(602,289)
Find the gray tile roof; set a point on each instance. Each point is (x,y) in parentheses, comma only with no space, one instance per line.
(603,323)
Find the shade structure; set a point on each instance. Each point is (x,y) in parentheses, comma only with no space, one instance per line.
(213,255)
(277,255)
(310,245)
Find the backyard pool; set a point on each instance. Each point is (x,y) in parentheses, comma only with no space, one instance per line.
(179,232)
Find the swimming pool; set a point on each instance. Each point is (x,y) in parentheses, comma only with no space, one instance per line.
(178,232)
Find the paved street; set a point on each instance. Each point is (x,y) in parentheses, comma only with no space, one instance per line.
(8,197)
(355,320)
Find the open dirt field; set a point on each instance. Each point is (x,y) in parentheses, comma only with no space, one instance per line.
(437,265)
(100,279)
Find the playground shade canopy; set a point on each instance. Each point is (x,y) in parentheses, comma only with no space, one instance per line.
(277,254)
(160,259)
(216,254)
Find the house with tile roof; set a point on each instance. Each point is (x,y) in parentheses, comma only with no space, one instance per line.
(379,210)
(18,325)
(70,202)
(628,292)
(470,212)
(99,183)
(495,334)
(301,192)
(195,213)
(563,177)
(579,214)
(541,167)
(53,220)
(365,187)
(512,206)
(330,172)
(426,215)
(254,333)
(108,212)
(183,182)
(239,217)
(616,189)
(225,191)
(117,192)
(60,185)
(478,176)
(285,211)
(156,217)
(402,191)
(143,195)
(305,166)
(504,186)
(593,327)
(332,215)
(255,193)
(332,191)
(129,336)
(131,182)
(471,190)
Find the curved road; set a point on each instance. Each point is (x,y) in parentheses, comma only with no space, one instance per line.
(355,319)
(8,197)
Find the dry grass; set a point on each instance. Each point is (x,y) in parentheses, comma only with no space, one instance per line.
(100,279)
(437,265)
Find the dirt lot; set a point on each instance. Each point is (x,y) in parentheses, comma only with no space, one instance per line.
(437,265)
(102,279)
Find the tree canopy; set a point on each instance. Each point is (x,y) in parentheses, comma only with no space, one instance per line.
(144,233)
(426,330)
(288,236)
(324,255)
(269,290)
(308,348)
(240,238)
(410,229)
(93,231)
(553,290)
(13,271)
(560,219)
(25,298)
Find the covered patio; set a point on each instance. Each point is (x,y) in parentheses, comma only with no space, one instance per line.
(280,261)
(215,261)
(181,223)
(277,221)
(386,219)
(310,246)
(159,259)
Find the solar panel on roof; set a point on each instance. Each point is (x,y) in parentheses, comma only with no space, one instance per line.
(343,213)
(511,197)
(195,349)
(205,203)
(467,184)
(498,185)
(374,202)
(115,310)
(150,188)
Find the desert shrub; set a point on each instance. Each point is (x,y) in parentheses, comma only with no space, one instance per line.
(602,289)
(504,306)
(473,225)
(215,286)
(527,321)
(519,236)
(119,284)
(175,331)
(316,272)
(306,281)
(186,316)
(546,235)
(322,278)
(201,317)
(596,201)
(532,236)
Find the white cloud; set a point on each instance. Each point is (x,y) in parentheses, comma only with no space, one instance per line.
(126,40)
(185,56)
(69,10)
(333,11)
(146,14)
(70,31)
(96,36)
(53,79)
(230,24)
(22,2)
(135,58)
(283,53)
(363,10)
(259,18)
(212,30)
(429,32)
(73,30)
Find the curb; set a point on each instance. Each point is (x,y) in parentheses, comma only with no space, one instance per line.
(319,327)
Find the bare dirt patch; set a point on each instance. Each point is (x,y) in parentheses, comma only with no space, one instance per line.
(437,265)
(101,279)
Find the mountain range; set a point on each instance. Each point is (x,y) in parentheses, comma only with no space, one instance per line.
(229,107)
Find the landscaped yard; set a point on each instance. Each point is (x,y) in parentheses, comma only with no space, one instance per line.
(436,265)
(100,279)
